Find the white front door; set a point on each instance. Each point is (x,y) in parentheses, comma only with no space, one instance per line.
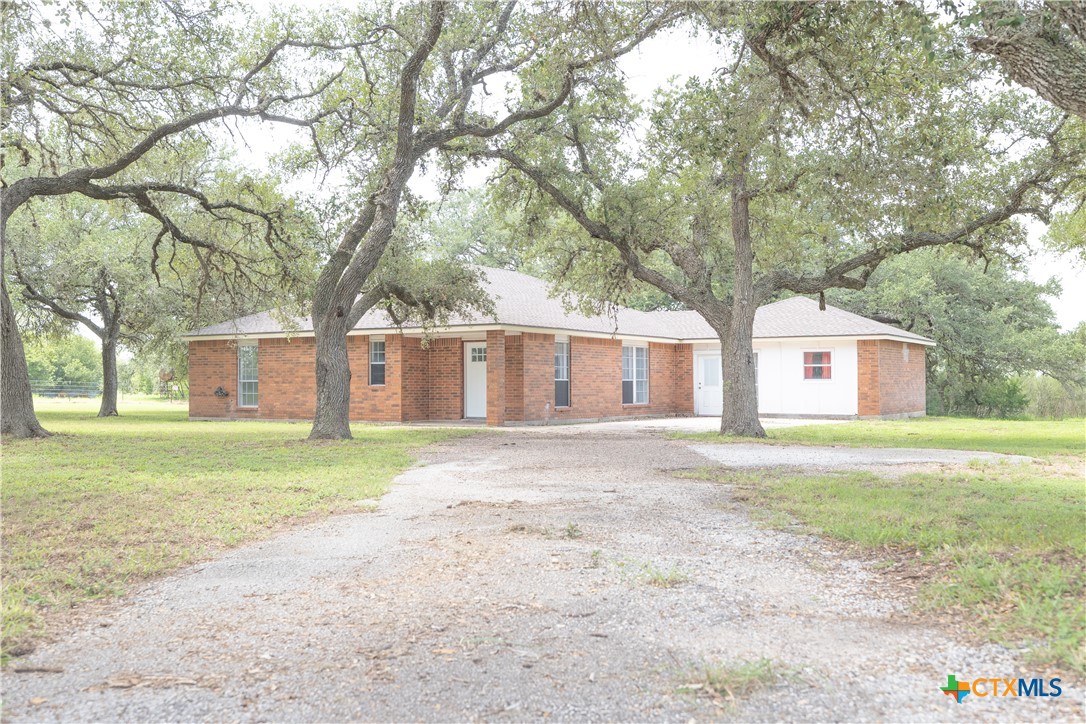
(708,390)
(475,379)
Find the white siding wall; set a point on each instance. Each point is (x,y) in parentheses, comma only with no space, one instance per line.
(782,389)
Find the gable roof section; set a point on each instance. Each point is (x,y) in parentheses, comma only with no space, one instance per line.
(522,301)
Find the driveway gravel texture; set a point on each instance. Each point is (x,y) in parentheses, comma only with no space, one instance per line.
(520,576)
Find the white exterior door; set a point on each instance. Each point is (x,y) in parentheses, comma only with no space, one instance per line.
(708,384)
(475,379)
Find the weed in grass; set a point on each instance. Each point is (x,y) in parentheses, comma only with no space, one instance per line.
(729,684)
(652,574)
(572,531)
(595,558)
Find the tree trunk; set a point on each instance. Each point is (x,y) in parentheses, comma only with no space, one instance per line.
(332,419)
(17,416)
(740,416)
(740,399)
(109,378)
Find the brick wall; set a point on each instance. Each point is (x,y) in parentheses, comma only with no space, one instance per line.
(596,379)
(287,387)
(415,380)
(495,377)
(514,377)
(671,375)
(380,403)
(867,378)
(212,364)
(902,380)
(445,387)
(888,382)
(283,391)
(537,378)
(428,383)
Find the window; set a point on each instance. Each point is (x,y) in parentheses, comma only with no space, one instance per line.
(561,374)
(247,367)
(904,351)
(635,375)
(816,366)
(377,362)
(478,354)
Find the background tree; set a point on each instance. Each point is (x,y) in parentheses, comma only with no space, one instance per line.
(62,360)
(466,227)
(87,262)
(836,137)
(992,327)
(477,226)
(88,94)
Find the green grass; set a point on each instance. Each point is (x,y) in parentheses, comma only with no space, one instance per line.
(1000,548)
(1039,438)
(109,502)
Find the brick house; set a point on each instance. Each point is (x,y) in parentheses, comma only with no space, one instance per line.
(536,362)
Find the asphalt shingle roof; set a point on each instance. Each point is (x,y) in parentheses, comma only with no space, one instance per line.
(524,301)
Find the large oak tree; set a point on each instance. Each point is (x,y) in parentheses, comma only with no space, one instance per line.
(75,260)
(833,137)
(89,93)
(421,78)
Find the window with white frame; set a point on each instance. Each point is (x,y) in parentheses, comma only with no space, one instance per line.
(561,373)
(817,366)
(635,375)
(247,375)
(377,361)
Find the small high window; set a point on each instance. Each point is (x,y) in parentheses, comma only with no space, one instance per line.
(817,366)
(561,374)
(635,375)
(247,375)
(377,362)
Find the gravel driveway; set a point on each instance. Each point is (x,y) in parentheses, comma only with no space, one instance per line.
(519,576)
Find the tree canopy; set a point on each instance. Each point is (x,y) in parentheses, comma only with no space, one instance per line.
(107,100)
(832,138)
(836,137)
(991,325)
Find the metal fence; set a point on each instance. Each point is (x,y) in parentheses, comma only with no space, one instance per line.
(64,389)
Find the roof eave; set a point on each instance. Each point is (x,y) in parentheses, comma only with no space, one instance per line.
(924,341)
(469,328)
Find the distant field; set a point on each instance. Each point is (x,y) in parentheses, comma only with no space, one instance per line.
(109,502)
(1018,437)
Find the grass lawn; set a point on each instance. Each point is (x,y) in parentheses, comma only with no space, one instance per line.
(111,502)
(1000,549)
(1017,437)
